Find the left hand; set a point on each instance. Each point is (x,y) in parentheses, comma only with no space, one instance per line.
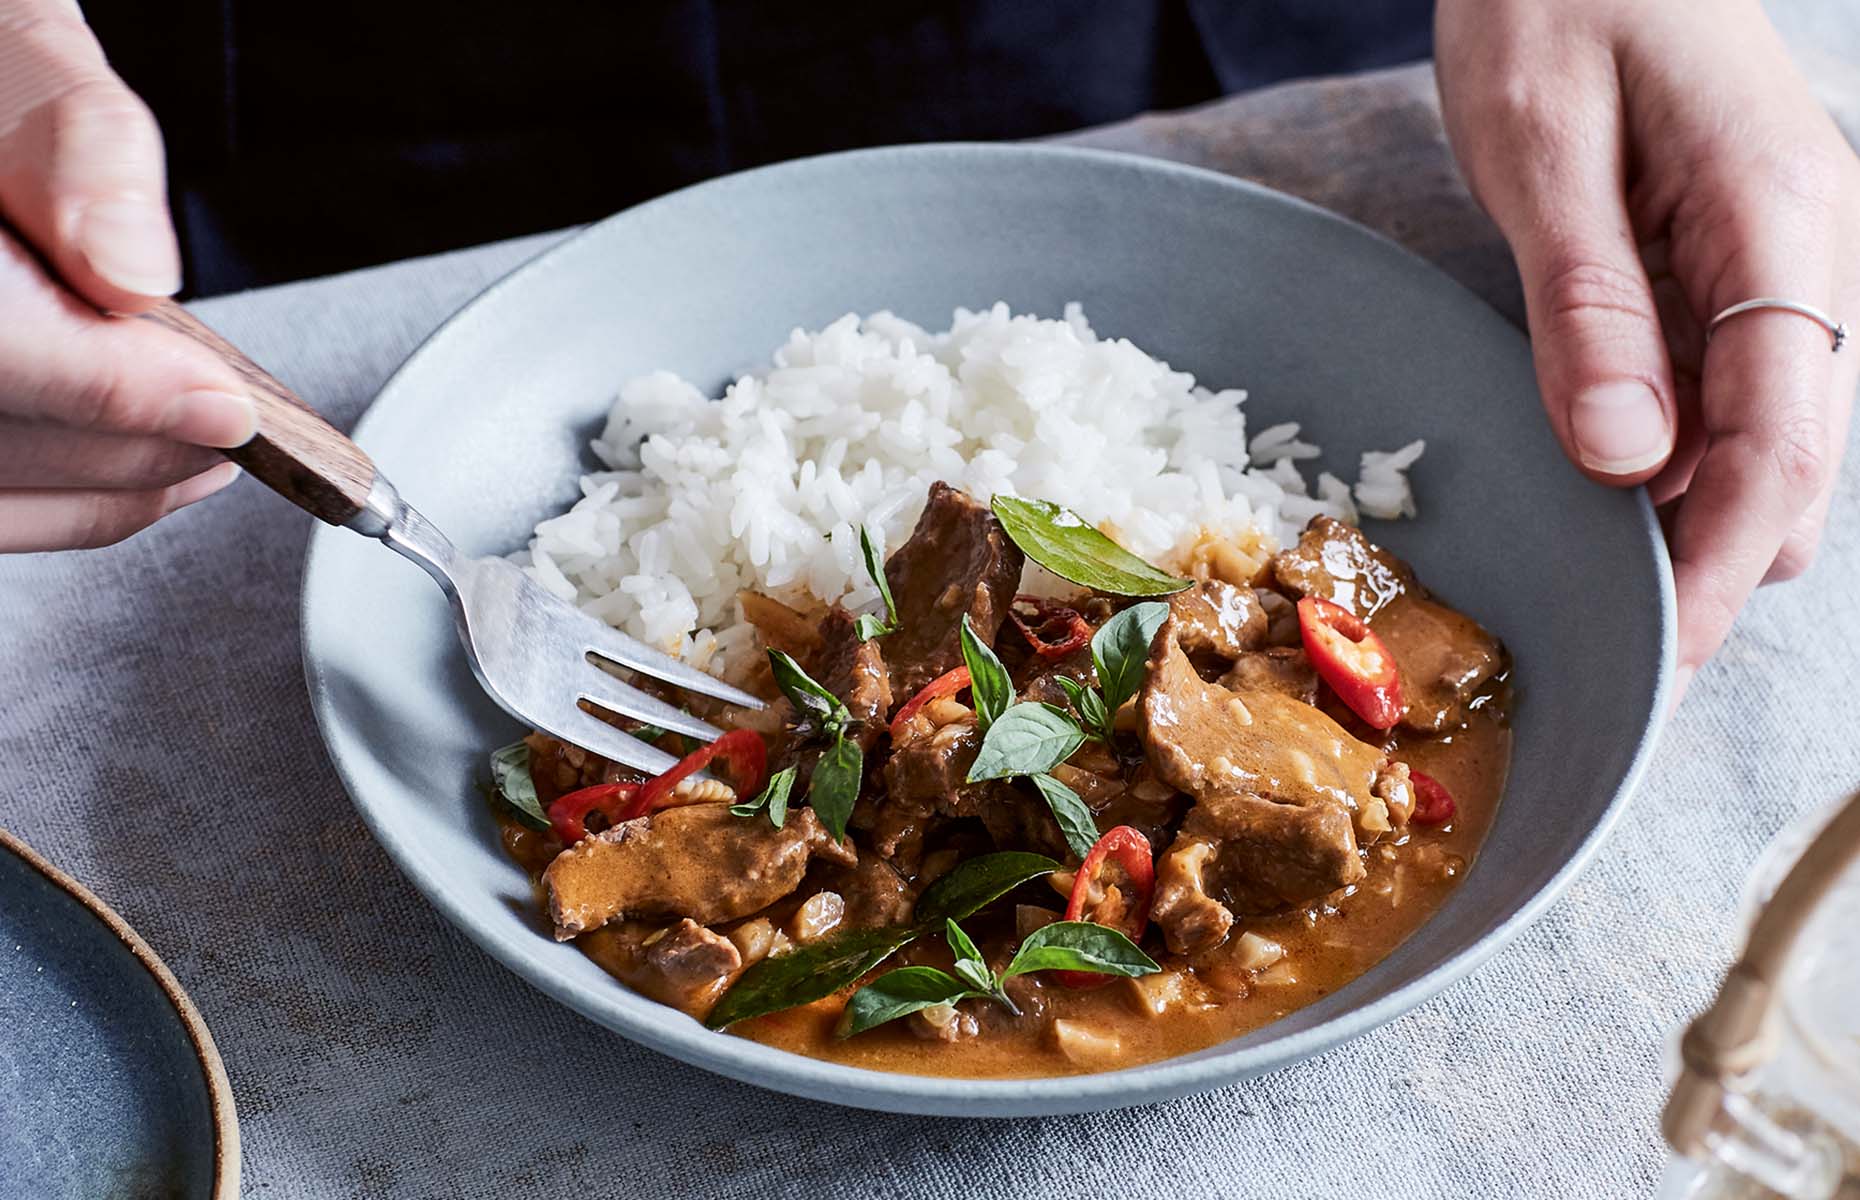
(1653,162)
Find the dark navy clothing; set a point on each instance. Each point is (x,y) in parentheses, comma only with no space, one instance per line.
(309,138)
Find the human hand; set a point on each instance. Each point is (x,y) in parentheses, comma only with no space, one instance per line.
(104,422)
(1651,163)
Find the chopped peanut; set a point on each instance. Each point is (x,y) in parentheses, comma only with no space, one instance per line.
(1256,953)
(944,711)
(1279,974)
(1168,991)
(819,915)
(1085,1044)
(753,939)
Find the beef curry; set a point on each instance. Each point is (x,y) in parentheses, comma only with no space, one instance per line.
(993,834)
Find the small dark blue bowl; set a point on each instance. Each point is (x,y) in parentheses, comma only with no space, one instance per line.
(109,1082)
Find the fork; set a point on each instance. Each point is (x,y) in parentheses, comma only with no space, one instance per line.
(534,653)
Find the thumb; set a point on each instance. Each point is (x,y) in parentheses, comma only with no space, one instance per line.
(1602,362)
(81,164)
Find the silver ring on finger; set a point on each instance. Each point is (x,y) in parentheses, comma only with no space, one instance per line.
(1837,330)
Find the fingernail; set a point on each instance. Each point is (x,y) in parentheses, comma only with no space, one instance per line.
(219,419)
(209,481)
(1620,428)
(130,244)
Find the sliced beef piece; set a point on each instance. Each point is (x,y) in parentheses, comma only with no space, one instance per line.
(1191,919)
(852,670)
(1334,561)
(934,767)
(1018,819)
(1216,619)
(1283,797)
(684,965)
(1263,856)
(926,783)
(958,561)
(1041,682)
(1208,741)
(875,893)
(1283,669)
(689,967)
(1444,656)
(698,861)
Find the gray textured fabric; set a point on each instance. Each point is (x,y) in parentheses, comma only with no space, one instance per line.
(156,742)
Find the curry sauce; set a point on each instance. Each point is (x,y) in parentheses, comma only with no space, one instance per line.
(1311,750)
(1325,947)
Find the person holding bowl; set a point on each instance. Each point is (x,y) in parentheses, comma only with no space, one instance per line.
(1685,218)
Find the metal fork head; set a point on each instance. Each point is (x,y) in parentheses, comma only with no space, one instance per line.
(539,656)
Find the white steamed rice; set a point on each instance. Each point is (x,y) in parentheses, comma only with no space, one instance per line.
(766,488)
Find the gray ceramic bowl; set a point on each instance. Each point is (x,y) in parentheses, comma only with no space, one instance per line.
(485,429)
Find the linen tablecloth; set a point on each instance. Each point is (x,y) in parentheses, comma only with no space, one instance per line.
(155,741)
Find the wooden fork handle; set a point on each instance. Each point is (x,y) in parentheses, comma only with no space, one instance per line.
(295,453)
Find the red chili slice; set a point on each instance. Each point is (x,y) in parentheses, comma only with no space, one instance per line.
(1132,852)
(569,811)
(946,684)
(1349,657)
(1056,630)
(741,749)
(1433,803)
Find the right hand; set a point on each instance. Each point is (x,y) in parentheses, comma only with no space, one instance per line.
(106,425)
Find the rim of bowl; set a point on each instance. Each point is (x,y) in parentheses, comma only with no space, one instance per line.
(226,1155)
(765,1066)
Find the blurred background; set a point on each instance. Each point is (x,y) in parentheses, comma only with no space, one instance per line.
(309,139)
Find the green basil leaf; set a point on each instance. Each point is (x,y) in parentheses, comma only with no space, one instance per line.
(807,973)
(774,798)
(897,994)
(1080,946)
(1060,540)
(960,944)
(777,792)
(1121,647)
(1094,715)
(837,776)
(868,626)
(976,975)
(1075,820)
(989,682)
(1026,740)
(809,698)
(975,883)
(510,776)
(970,964)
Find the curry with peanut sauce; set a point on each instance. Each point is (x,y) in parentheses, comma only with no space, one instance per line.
(1291,841)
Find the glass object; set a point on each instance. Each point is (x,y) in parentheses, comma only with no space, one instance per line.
(1766,1099)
